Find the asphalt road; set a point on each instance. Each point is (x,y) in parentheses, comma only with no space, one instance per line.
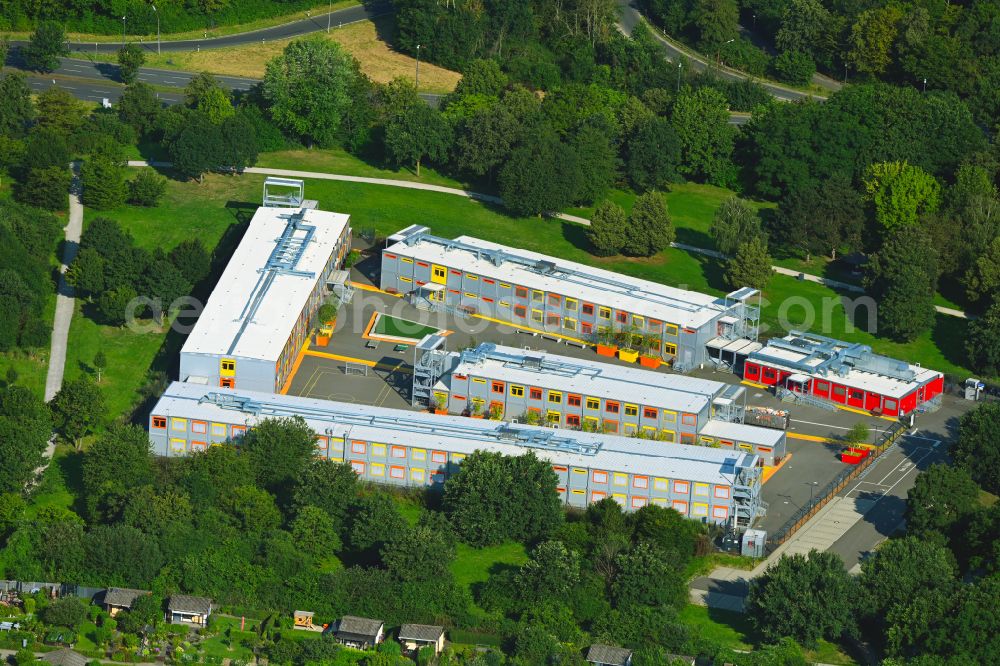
(285,31)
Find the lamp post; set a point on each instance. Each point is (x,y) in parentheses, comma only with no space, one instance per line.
(123,32)
(157,29)
(812,490)
(416,78)
(329,13)
(680,66)
(718,53)
(925,85)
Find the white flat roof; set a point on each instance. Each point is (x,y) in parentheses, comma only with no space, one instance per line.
(250,315)
(740,432)
(592,378)
(460,434)
(594,285)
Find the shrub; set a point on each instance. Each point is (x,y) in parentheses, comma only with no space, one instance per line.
(794,67)
(147,188)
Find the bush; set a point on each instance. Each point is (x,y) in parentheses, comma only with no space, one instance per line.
(147,188)
(46,188)
(746,57)
(794,67)
(65,612)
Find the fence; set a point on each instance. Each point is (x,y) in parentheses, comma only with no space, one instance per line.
(887,438)
(23,588)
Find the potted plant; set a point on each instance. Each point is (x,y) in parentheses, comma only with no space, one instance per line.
(327,314)
(626,346)
(651,357)
(440,404)
(322,336)
(496,412)
(532,418)
(605,342)
(476,411)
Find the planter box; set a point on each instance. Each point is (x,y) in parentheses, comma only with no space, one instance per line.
(650,362)
(628,355)
(476,416)
(606,350)
(322,340)
(440,411)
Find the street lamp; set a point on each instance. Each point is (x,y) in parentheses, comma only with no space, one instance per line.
(680,66)
(329,13)
(925,85)
(812,489)
(718,53)
(416,78)
(157,29)
(123,32)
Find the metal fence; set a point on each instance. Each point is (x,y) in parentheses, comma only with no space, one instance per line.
(24,588)
(886,439)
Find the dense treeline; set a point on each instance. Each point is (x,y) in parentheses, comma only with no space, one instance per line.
(925,598)
(268,527)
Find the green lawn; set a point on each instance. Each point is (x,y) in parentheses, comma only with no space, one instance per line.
(472,566)
(344,163)
(61,484)
(401,328)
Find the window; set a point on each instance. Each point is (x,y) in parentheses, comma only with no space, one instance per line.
(227,383)
(670,329)
(439,457)
(670,349)
(720,512)
(610,426)
(177,445)
(517,391)
(504,304)
(552,319)
(588,309)
(521,311)
(469,295)
(593,403)
(378,469)
(497,387)
(535,393)
(378,450)
(768,373)
(358,447)
(573,420)
(621,479)
(536,316)
(638,502)
(178,425)
(227,366)
(199,427)
(682,487)
(218,429)
(638,321)
(689,419)
(573,400)
(397,472)
(569,324)
(649,412)
(618,497)
(640,482)
(599,477)
(237,431)
(555,397)
(553,416)
(701,489)
(857,395)
(597,496)
(890,405)
(416,475)
(471,277)
(699,510)
(722,492)
(604,313)
(197,446)
(662,485)
(418,454)
(680,507)
(554,300)
(667,436)
(439,272)
(839,391)
(687,438)
(570,305)
(405,279)
(406,260)
(822,387)
(537,296)
(358,467)
(621,317)
(669,416)
(631,410)
(612,407)
(159,422)
(520,292)
(398,452)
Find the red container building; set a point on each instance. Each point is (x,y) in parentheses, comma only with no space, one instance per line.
(845,373)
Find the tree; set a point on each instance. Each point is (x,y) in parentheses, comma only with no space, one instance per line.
(539,176)
(978,445)
(980,342)
(374,522)
(942,496)
(65,612)
(982,280)
(59,111)
(308,89)
(902,277)
(794,67)
(423,552)
(804,597)
(701,121)
(596,159)
(653,154)
(495,497)
(551,573)
(78,409)
(139,107)
(16,108)
(750,266)
(279,450)
(608,229)
(147,188)
(46,188)
(900,193)
(823,218)
(328,485)
(668,531)
(22,453)
(481,77)
(646,577)
(114,304)
(239,143)
(117,461)
(252,510)
(165,283)
(871,39)
(130,59)
(145,611)
(806,26)
(197,148)
(315,532)
(735,222)
(717,22)
(192,260)
(47,45)
(418,132)
(100,363)
(649,228)
(103,183)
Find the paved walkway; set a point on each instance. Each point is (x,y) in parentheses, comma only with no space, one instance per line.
(490,198)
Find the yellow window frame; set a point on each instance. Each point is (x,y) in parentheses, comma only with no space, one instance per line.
(670,329)
(406,260)
(537,296)
(631,410)
(552,416)
(178,425)
(376,469)
(470,276)
(620,479)
(405,279)
(516,391)
(668,435)
(378,450)
(555,397)
(227,367)
(504,285)
(569,324)
(417,474)
(603,313)
(478,380)
(662,484)
(593,403)
(669,416)
(418,454)
(536,316)
(670,348)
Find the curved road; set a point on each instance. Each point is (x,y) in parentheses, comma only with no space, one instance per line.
(305,26)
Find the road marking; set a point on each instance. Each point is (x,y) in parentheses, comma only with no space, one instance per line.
(809,438)
(753,384)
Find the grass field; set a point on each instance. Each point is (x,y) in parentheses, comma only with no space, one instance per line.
(472,566)
(341,162)
(368,41)
(395,327)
